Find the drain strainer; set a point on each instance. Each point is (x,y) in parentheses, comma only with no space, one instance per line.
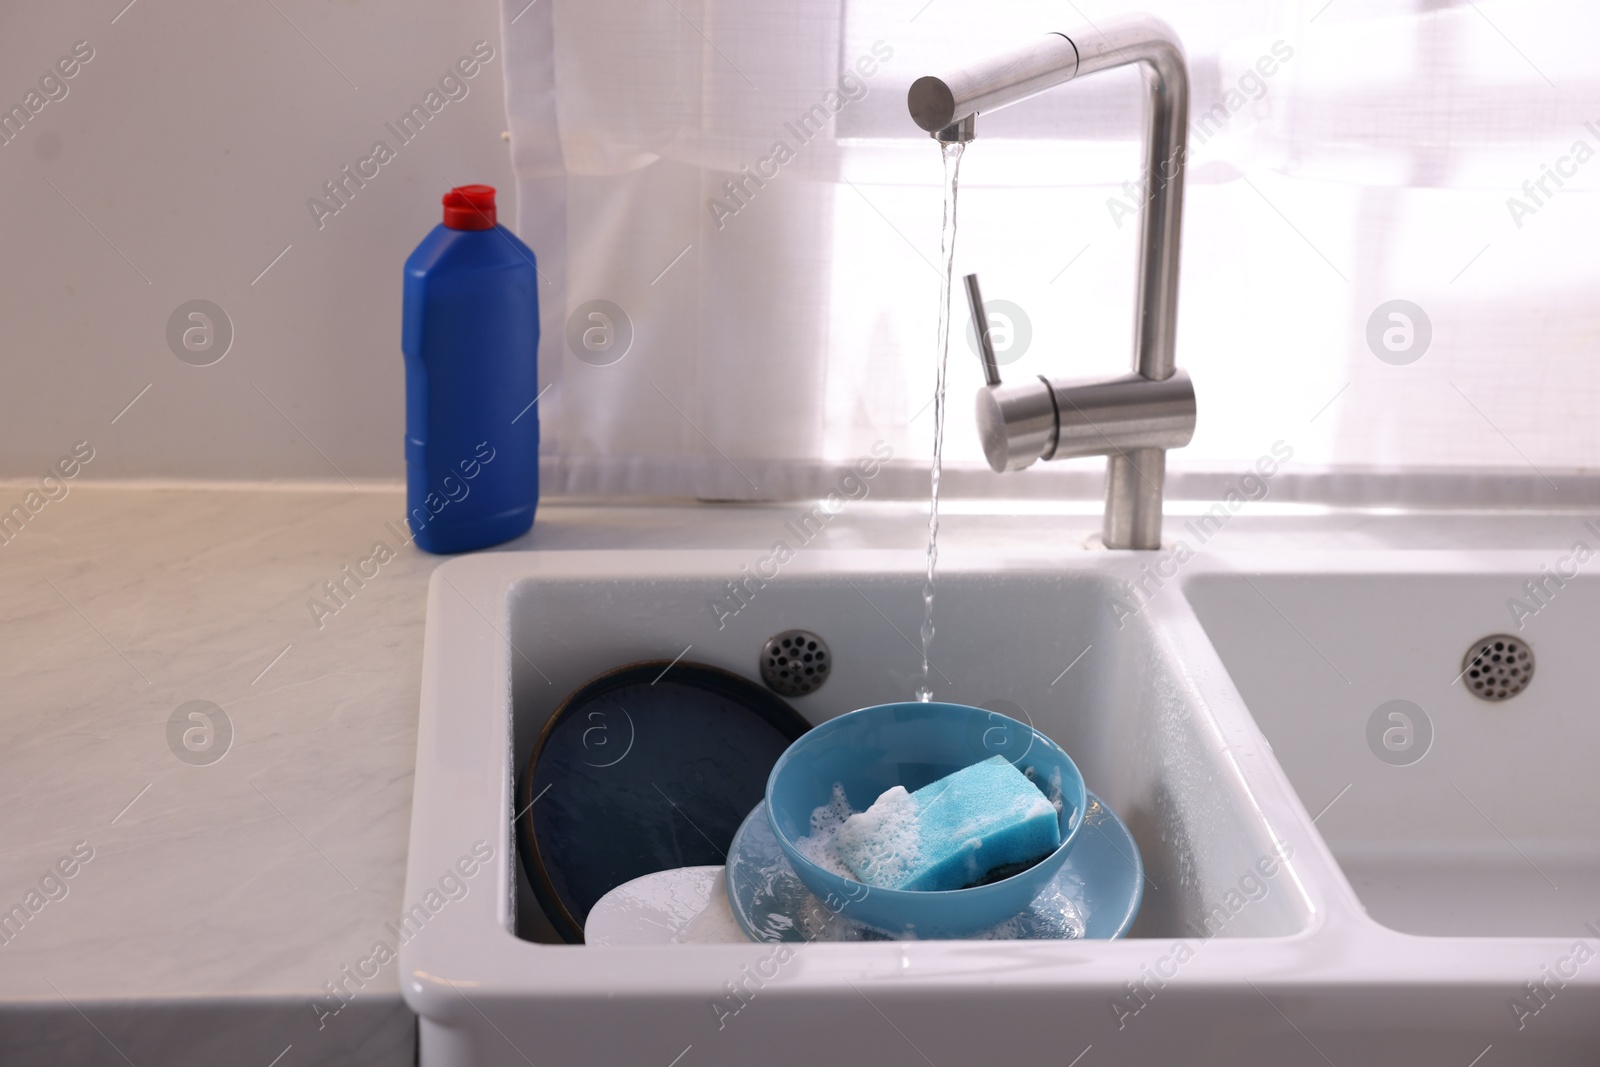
(1497,667)
(795,662)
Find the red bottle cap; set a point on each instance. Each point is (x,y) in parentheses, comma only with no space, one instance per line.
(469,207)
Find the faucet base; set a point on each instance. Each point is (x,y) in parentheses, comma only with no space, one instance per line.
(1133,498)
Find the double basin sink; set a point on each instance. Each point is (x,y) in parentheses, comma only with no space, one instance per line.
(1351,856)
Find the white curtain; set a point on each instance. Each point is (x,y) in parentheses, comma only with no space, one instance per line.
(741,179)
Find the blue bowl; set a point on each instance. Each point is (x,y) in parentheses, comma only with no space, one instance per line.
(910,745)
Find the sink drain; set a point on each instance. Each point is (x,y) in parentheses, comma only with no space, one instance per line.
(795,662)
(1497,667)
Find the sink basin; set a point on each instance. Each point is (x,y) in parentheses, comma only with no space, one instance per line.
(1479,818)
(509,635)
(1431,912)
(1005,641)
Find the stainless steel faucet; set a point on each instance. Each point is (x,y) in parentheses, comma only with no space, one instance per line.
(1133,419)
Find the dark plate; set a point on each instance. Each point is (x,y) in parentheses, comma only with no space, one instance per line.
(640,770)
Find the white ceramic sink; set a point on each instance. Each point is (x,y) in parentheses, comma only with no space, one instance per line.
(1224,966)
(1480,818)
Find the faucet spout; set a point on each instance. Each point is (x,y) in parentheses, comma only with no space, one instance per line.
(990,84)
(947,107)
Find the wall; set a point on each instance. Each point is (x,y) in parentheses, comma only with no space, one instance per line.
(178,166)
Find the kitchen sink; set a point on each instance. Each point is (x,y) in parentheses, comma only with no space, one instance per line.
(1410,920)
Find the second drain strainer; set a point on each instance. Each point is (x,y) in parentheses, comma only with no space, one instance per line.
(1497,667)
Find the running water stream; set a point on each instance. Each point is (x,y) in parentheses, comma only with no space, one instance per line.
(947,252)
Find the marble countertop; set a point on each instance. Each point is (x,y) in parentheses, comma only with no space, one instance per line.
(211,899)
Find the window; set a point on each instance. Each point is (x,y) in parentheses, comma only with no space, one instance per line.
(1343,157)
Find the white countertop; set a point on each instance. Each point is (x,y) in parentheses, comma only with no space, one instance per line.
(221,898)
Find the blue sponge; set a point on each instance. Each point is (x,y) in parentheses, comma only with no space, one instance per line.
(952,832)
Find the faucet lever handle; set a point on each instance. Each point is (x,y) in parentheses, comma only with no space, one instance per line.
(980,325)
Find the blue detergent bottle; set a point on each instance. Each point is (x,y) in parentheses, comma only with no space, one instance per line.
(471,342)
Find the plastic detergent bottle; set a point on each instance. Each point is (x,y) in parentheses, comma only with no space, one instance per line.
(471,341)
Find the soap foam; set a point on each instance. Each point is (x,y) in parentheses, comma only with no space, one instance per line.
(826,819)
(883,845)
(883,842)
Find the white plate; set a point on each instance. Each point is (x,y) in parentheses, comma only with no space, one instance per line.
(686,905)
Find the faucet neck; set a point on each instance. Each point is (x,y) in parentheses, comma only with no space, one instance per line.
(948,106)
(1151,45)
